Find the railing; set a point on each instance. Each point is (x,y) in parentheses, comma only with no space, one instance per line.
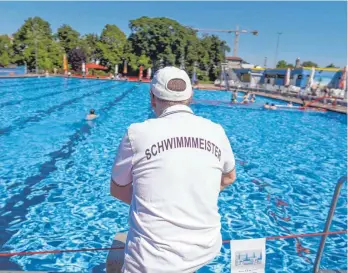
(328,222)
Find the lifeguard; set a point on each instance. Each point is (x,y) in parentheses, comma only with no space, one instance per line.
(171,170)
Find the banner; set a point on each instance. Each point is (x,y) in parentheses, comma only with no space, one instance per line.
(248,256)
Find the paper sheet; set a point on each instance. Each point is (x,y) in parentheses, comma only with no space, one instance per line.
(248,256)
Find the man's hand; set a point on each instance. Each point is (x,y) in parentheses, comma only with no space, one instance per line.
(227,179)
(123,193)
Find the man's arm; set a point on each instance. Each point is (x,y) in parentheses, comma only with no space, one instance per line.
(123,193)
(227,179)
(121,186)
(229,163)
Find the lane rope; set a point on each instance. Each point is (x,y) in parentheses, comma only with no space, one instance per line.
(58,251)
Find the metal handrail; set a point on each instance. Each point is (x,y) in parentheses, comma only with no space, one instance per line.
(328,222)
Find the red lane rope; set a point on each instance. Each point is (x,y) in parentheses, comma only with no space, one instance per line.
(122,247)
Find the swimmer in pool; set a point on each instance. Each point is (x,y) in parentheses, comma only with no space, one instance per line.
(234,97)
(246,98)
(273,107)
(290,104)
(253,97)
(91,115)
(266,106)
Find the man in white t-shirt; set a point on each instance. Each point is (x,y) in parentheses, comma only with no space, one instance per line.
(171,170)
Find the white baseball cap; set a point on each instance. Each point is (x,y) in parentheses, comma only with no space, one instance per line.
(172,84)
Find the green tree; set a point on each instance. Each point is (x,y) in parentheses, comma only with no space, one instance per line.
(167,40)
(33,40)
(282,64)
(6,51)
(68,38)
(309,64)
(111,45)
(89,43)
(158,38)
(331,66)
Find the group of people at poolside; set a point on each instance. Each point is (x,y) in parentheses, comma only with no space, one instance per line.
(247,98)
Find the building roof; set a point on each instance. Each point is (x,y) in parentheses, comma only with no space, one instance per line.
(233,58)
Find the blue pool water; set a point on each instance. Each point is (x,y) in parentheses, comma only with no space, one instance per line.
(55,171)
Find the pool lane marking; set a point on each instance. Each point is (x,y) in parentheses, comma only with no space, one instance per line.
(44,113)
(58,251)
(15,102)
(35,87)
(46,169)
(24,83)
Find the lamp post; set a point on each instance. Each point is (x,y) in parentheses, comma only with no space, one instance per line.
(276,53)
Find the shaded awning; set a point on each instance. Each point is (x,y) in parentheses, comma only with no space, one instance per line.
(95,66)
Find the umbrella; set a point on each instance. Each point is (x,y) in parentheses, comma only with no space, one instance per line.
(149,71)
(343,81)
(95,66)
(116,69)
(140,72)
(125,68)
(65,64)
(287,77)
(83,67)
(311,78)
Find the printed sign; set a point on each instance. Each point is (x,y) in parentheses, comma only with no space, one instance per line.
(248,256)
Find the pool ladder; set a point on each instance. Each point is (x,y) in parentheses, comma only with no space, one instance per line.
(338,188)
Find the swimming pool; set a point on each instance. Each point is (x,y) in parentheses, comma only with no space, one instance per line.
(55,171)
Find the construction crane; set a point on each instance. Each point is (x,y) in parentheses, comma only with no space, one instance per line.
(236,32)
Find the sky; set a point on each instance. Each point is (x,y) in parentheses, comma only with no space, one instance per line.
(312,31)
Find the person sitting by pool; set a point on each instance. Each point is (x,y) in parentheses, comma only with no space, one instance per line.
(266,106)
(304,103)
(92,115)
(273,107)
(234,97)
(252,98)
(246,98)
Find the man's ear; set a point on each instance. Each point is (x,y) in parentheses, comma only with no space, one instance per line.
(153,100)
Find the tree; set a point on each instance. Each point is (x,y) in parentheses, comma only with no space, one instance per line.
(89,43)
(309,64)
(68,38)
(331,66)
(158,38)
(282,64)
(76,57)
(111,45)
(167,40)
(6,52)
(34,39)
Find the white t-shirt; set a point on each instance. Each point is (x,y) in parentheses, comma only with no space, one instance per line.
(175,163)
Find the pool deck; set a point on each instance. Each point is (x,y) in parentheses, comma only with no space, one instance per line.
(21,76)
(337,108)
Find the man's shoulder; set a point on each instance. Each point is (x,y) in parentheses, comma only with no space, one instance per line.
(210,124)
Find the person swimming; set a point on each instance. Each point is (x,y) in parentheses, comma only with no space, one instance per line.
(253,97)
(234,97)
(266,105)
(246,98)
(92,115)
(290,104)
(273,107)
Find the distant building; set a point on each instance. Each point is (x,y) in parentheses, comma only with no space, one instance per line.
(297,63)
(234,62)
(237,63)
